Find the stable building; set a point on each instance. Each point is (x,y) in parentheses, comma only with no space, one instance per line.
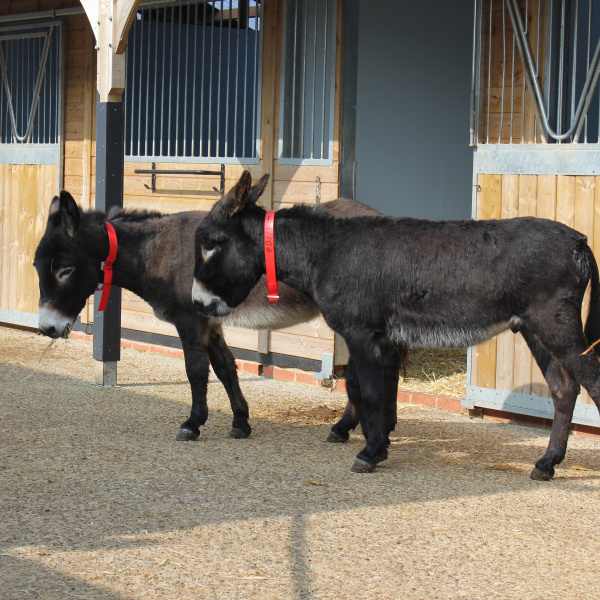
(430,109)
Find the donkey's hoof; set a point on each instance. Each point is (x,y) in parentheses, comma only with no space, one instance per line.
(336,438)
(237,434)
(381,457)
(187,435)
(539,475)
(362,466)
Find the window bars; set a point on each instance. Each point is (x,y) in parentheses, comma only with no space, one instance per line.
(535,71)
(193,81)
(30,101)
(307,81)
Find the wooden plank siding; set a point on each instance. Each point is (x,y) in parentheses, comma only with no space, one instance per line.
(505,363)
(23,214)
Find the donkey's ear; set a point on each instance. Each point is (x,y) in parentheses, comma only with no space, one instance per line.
(235,199)
(69,212)
(256,191)
(54,206)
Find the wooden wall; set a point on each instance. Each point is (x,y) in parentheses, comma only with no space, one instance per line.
(505,362)
(26,190)
(23,206)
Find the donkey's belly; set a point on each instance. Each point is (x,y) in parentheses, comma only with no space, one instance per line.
(445,336)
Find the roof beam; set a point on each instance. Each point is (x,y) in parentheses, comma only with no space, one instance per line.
(110,21)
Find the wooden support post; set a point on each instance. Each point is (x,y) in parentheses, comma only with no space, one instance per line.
(110,21)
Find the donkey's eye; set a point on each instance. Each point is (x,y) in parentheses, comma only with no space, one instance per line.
(64,273)
(208,250)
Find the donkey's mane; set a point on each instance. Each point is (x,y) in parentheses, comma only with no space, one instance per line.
(132,215)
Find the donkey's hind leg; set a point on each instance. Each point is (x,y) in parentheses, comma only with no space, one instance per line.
(393,358)
(340,432)
(373,422)
(223,363)
(564,390)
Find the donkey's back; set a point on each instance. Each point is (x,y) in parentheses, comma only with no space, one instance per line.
(457,283)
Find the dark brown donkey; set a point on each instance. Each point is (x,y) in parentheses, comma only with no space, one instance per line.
(381,281)
(155,260)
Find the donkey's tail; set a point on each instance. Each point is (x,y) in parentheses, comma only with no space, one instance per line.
(592,326)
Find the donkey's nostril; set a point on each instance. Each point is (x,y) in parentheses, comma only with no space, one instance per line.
(50,331)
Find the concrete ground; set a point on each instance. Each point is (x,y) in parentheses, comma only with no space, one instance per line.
(98,500)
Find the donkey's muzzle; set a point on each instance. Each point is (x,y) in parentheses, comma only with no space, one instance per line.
(53,323)
(207,303)
(217,308)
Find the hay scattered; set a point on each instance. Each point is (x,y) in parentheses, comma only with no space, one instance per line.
(433,371)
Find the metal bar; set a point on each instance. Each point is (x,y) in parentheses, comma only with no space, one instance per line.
(219,78)
(200,144)
(162,77)
(155,86)
(537,60)
(139,86)
(177,111)
(314,90)
(588,89)
(154,172)
(474,82)
(587,58)
(325,79)
(293,103)
(561,57)
(245,111)
(255,105)
(503,71)
(303,78)
(489,78)
(574,66)
(193,127)
(227,86)
(210,86)
(185,88)
(170,81)
(237,77)
(512,90)
(149,62)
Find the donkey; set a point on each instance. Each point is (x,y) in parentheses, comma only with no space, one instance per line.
(155,260)
(382,281)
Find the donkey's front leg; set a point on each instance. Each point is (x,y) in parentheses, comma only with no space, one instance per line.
(196,367)
(223,363)
(370,376)
(391,358)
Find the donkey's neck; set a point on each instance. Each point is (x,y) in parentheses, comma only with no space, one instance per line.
(301,241)
(134,243)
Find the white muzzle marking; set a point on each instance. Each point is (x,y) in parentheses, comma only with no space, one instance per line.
(202,296)
(52,319)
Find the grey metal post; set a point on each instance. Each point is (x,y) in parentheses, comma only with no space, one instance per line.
(347,175)
(109,193)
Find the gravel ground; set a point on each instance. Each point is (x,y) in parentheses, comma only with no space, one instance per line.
(98,500)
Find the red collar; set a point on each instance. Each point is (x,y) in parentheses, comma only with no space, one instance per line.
(272,289)
(107,267)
